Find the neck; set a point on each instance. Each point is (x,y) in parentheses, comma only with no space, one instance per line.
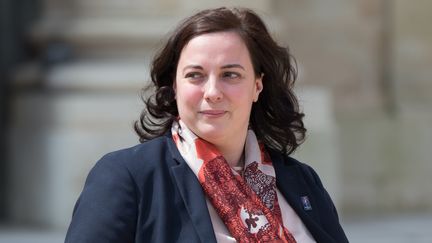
(234,158)
(233,152)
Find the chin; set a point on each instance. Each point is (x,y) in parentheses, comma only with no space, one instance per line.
(210,133)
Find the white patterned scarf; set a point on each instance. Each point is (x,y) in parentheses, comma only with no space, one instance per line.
(248,205)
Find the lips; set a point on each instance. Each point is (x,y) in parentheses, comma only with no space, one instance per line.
(213,113)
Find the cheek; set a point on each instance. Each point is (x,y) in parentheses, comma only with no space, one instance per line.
(188,97)
(241,97)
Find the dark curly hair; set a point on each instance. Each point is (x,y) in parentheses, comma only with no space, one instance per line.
(275,117)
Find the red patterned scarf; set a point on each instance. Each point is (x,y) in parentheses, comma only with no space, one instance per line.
(248,205)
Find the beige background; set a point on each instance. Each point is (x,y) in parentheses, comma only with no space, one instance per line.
(364,84)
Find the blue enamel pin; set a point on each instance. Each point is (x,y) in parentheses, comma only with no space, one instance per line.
(306,203)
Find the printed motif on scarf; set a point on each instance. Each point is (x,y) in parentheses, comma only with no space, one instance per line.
(232,199)
(262,184)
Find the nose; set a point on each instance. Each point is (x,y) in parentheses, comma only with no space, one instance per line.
(212,91)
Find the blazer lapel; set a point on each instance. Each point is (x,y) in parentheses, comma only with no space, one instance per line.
(290,183)
(299,196)
(192,195)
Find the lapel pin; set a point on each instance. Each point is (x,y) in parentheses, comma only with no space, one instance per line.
(306,203)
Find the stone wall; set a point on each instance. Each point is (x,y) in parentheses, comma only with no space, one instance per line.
(375,58)
(413,56)
(386,155)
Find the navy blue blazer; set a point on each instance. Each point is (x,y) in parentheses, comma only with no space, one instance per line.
(148,193)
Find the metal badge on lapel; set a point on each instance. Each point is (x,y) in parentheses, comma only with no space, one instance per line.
(306,203)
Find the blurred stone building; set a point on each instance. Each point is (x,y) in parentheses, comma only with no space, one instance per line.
(364,84)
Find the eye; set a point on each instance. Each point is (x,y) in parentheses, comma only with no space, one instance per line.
(194,75)
(230,75)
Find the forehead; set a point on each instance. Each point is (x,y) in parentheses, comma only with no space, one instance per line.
(215,46)
(228,36)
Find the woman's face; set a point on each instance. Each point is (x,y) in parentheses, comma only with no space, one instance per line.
(215,87)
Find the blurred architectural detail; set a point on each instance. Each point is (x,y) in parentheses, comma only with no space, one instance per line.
(356,59)
(94,61)
(413,56)
(321,148)
(372,55)
(15,19)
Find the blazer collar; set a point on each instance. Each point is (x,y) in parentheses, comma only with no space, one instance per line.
(291,183)
(192,194)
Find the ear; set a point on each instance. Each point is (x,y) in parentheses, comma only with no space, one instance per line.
(258,87)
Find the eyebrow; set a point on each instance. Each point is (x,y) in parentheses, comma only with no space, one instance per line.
(193,67)
(223,67)
(233,66)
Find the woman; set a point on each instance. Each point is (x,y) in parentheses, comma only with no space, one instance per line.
(216,133)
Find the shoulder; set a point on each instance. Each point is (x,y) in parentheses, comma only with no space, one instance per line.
(106,210)
(126,171)
(135,167)
(286,163)
(156,146)
(119,171)
(146,155)
(306,170)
